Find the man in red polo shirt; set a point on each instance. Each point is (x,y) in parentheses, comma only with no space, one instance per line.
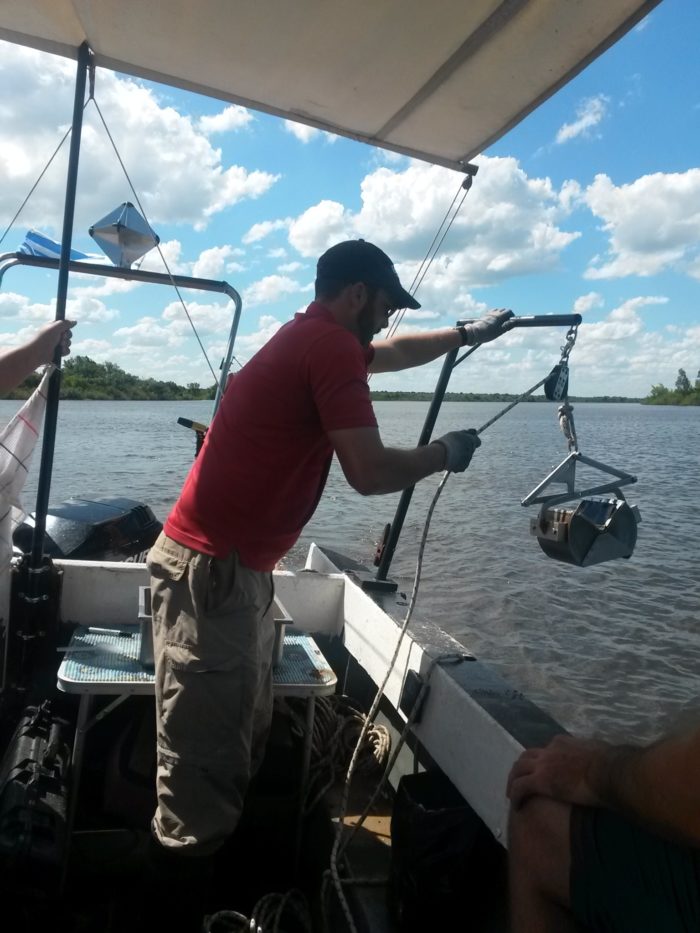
(253,487)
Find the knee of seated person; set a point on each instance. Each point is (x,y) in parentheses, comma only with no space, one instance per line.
(534,821)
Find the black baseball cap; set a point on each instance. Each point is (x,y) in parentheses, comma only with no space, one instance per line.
(359,261)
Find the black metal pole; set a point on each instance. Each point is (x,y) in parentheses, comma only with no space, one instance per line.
(425,435)
(51,416)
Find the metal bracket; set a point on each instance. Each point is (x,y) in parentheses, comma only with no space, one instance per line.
(410,693)
(370,583)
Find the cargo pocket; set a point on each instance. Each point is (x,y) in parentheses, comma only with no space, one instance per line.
(168,592)
(163,564)
(200,641)
(178,588)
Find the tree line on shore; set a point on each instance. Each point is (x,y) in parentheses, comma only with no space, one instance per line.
(683,394)
(83,378)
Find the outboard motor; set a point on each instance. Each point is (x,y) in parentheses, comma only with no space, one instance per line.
(113,528)
(594,531)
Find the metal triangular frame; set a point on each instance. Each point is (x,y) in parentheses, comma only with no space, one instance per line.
(566,473)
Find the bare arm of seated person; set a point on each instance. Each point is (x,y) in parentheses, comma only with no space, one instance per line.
(19,362)
(657,785)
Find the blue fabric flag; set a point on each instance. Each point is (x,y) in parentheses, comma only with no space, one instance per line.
(37,244)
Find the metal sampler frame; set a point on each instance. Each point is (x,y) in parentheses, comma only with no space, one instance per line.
(566,473)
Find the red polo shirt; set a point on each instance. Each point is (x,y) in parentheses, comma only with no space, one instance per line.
(266,456)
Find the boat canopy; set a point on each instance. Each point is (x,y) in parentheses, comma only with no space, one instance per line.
(437,81)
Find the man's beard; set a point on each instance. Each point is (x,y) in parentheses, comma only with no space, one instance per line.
(365,324)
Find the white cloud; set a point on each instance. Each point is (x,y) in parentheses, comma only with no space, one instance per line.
(621,324)
(87,310)
(509,224)
(233,117)
(249,344)
(212,262)
(653,224)
(149,332)
(271,288)
(171,252)
(588,115)
(12,305)
(263,229)
(587,302)
(84,308)
(179,176)
(289,267)
(693,267)
(319,227)
(419,314)
(237,184)
(105,288)
(207,318)
(98,350)
(302,132)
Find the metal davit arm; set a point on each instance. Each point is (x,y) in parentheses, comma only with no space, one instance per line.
(539,320)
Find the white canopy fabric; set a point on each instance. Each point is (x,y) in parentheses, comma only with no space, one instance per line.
(17,442)
(436,80)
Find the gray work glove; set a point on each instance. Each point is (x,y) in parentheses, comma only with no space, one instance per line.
(459,448)
(486,328)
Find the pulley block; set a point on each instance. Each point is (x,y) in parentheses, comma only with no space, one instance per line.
(594,531)
(556,384)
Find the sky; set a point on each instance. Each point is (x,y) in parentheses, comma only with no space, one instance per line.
(590,205)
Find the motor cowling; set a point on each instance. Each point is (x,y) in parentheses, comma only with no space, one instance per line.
(94,528)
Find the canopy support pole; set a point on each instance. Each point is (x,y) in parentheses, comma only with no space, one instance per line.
(51,416)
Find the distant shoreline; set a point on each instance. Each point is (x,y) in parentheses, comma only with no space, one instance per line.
(22,393)
(491,397)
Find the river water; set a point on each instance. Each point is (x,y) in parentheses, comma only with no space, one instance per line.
(611,650)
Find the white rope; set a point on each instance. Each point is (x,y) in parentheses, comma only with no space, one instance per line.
(335,852)
(266,917)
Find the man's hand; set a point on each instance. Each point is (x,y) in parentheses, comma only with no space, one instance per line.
(49,337)
(459,449)
(487,328)
(563,770)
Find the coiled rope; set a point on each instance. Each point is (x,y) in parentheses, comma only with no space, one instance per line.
(338,724)
(266,917)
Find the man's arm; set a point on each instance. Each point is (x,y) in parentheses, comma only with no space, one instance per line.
(658,785)
(16,364)
(415,349)
(412,350)
(372,469)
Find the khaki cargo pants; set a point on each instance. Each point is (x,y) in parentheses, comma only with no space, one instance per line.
(213,635)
